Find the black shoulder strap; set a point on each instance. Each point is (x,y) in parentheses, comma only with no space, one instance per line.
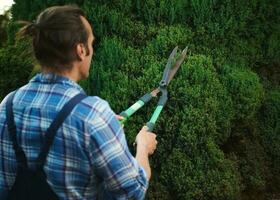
(20,156)
(51,131)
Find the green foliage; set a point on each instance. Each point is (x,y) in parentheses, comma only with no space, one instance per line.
(249,157)
(166,11)
(270,126)
(12,29)
(166,37)
(199,107)
(110,21)
(15,68)
(28,10)
(4,19)
(209,169)
(245,89)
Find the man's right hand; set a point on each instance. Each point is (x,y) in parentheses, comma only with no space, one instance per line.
(146,141)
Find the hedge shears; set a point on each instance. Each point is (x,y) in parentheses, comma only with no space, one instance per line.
(170,70)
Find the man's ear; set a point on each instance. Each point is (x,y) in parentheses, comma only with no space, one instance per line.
(80,51)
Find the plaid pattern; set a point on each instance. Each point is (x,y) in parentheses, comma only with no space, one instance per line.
(89,158)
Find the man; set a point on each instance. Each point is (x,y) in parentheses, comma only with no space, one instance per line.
(89,157)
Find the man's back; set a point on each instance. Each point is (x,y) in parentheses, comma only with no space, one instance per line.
(89,140)
(89,156)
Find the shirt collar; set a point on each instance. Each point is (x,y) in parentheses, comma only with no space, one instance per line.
(50,78)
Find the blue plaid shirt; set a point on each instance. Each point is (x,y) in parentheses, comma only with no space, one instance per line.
(89,158)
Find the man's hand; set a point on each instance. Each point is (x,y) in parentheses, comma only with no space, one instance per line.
(146,141)
(146,145)
(119,117)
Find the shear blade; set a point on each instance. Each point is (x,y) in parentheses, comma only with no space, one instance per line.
(168,66)
(177,65)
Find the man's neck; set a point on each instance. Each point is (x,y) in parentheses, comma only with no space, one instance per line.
(70,74)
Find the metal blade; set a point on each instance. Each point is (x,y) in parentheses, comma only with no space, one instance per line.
(177,65)
(168,66)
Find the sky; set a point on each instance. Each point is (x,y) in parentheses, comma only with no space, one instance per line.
(5,5)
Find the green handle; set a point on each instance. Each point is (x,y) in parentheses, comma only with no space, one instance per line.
(131,110)
(154,118)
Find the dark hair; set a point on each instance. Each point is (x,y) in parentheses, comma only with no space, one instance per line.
(55,33)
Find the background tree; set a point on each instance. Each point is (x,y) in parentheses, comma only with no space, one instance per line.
(4,19)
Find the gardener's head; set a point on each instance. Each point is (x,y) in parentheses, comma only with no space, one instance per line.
(62,39)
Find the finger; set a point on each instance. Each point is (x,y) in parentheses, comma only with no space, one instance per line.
(153,135)
(119,117)
(145,128)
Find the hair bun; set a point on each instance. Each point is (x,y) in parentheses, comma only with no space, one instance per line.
(32,29)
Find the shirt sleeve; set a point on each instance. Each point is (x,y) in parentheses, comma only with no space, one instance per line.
(121,174)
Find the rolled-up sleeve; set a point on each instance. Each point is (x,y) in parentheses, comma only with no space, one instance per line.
(121,175)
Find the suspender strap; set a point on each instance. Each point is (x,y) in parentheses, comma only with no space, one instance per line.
(20,156)
(51,131)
